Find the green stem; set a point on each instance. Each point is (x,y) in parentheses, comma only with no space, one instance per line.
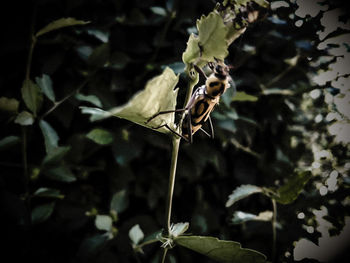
(174,155)
(164,255)
(274,233)
(25,160)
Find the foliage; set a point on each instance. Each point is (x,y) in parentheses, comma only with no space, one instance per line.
(80,191)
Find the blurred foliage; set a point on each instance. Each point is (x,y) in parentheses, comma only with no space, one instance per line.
(71,190)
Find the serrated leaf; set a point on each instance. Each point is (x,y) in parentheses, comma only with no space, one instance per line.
(136,234)
(50,136)
(220,250)
(45,84)
(57,24)
(242,192)
(89,98)
(287,193)
(120,201)
(32,96)
(158,95)
(55,155)
(192,51)
(60,173)
(100,136)
(42,212)
(242,96)
(9,104)
(103,222)
(240,217)
(24,118)
(48,192)
(9,141)
(212,37)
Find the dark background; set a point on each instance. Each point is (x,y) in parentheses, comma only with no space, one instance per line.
(252,144)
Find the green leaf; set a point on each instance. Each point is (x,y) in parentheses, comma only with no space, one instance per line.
(240,217)
(100,136)
(42,212)
(158,10)
(50,136)
(178,229)
(242,192)
(60,174)
(56,155)
(192,51)
(32,96)
(220,250)
(24,118)
(120,201)
(212,37)
(45,84)
(57,24)
(136,234)
(103,222)
(89,98)
(100,56)
(242,96)
(287,193)
(9,104)
(9,141)
(48,192)
(158,95)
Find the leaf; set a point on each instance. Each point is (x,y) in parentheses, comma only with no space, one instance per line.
(287,193)
(48,192)
(91,246)
(50,136)
(120,201)
(178,229)
(42,212)
(240,217)
(100,136)
(158,10)
(242,192)
(136,234)
(220,250)
(57,24)
(24,118)
(9,104)
(45,84)
(100,56)
(212,37)
(192,51)
(158,95)
(89,98)
(56,155)
(32,96)
(242,96)
(103,222)
(60,174)
(9,141)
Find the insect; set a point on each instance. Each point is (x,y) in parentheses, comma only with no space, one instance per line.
(202,102)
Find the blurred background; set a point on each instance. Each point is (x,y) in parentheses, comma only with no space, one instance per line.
(291,113)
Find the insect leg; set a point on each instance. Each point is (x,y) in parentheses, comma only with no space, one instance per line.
(211,127)
(170,129)
(189,126)
(164,112)
(205,132)
(200,71)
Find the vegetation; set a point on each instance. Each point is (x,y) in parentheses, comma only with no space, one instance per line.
(85,177)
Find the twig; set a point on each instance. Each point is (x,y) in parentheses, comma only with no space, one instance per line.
(274,233)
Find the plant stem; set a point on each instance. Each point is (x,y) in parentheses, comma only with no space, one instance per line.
(164,255)
(274,233)
(25,160)
(174,155)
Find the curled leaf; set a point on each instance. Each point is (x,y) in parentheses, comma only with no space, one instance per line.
(57,24)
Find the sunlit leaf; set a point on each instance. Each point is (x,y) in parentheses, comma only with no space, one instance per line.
(9,104)
(241,192)
(287,193)
(32,95)
(136,234)
(100,136)
(45,84)
(158,10)
(57,24)
(24,118)
(103,222)
(240,217)
(50,136)
(220,250)
(42,212)
(120,201)
(158,95)
(178,229)
(192,51)
(242,96)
